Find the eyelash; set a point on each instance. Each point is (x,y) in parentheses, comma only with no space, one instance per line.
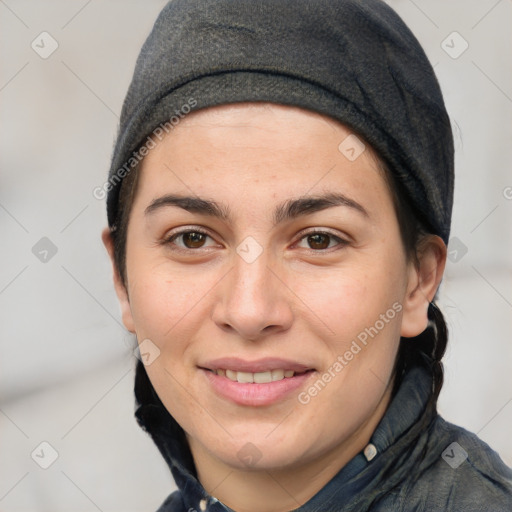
(169,240)
(341,242)
(303,235)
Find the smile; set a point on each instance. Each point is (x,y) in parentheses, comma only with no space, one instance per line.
(256,383)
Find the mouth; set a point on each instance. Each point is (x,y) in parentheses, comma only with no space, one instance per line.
(255,383)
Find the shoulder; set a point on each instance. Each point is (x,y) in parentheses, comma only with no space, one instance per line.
(460,472)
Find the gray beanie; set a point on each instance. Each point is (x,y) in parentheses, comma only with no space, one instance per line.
(352,60)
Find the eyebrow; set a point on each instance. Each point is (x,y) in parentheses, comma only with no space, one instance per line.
(294,208)
(190,204)
(290,209)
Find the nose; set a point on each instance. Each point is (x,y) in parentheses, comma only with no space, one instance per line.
(253,301)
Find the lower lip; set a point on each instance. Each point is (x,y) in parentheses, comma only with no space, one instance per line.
(256,394)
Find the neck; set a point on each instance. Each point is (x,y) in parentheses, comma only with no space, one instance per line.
(279,489)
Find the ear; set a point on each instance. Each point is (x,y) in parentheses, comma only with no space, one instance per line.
(425,275)
(121,292)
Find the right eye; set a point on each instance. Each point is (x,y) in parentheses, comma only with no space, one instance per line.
(190,239)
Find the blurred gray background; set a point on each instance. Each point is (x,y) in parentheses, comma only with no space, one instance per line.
(66,364)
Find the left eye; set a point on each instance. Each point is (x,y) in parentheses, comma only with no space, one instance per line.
(320,241)
(190,239)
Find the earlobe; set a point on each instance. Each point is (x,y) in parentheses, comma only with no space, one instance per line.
(424,278)
(120,288)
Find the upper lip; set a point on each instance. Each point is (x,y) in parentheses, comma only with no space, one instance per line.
(255,366)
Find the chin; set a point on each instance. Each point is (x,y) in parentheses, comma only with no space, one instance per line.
(257,450)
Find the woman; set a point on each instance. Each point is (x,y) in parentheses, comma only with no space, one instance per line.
(279,205)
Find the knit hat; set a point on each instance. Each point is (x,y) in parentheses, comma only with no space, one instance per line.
(352,60)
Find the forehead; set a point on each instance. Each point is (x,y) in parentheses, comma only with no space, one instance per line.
(256,149)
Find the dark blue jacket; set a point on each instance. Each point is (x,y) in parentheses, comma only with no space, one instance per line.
(423,464)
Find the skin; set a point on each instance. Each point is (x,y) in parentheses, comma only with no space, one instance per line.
(301,303)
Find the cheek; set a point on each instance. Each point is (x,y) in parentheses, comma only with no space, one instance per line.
(167,310)
(160,306)
(164,301)
(348,300)
(361,306)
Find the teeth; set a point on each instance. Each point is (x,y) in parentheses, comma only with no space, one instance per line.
(277,375)
(231,375)
(262,377)
(245,377)
(258,378)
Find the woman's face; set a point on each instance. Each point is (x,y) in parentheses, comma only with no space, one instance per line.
(263,247)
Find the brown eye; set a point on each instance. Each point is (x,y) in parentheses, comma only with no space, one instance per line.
(190,239)
(318,241)
(193,239)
